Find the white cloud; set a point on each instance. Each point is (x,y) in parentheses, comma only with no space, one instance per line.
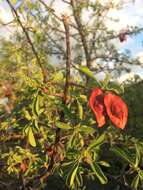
(5,15)
(139,55)
(130,15)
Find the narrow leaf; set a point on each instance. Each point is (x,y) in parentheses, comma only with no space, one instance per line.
(122,154)
(37,107)
(135,182)
(97,142)
(62,125)
(80,110)
(137,155)
(141,174)
(104,163)
(99,173)
(73,176)
(86,71)
(27,115)
(106,80)
(87,130)
(26,130)
(31,137)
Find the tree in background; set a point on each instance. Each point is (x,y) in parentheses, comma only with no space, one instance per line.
(49,68)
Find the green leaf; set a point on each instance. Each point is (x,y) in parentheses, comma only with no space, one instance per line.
(86,71)
(27,115)
(119,89)
(72,168)
(41,110)
(106,80)
(58,76)
(36,125)
(135,182)
(97,142)
(37,107)
(31,137)
(122,154)
(67,112)
(62,125)
(13,2)
(99,173)
(73,175)
(141,174)
(86,129)
(79,178)
(137,156)
(80,110)
(17,158)
(34,108)
(71,141)
(104,163)
(26,130)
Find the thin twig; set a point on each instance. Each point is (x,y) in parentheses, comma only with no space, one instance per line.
(52,11)
(81,33)
(67,2)
(68,56)
(44,72)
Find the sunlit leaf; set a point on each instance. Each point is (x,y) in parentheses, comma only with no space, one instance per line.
(137,155)
(62,125)
(58,76)
(86,71)
(80,110)
(31,137)
(104,163)
(87,129)
(73,176)
(97,142)
(27,115)
(26,130)
(37,106)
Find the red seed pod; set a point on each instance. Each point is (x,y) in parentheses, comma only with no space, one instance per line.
(96,103)
(116,109)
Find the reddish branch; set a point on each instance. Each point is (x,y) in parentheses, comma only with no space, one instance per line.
(44,72)
(68,56)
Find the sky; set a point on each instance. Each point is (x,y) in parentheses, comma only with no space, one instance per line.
(130,15)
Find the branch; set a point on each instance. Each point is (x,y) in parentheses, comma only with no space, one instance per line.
(44,72)
(81,33)
(68,56)
(115,36)
(52,11)
(57,45)
(67,2)
(8,23)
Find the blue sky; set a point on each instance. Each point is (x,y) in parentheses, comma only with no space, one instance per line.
(135,44)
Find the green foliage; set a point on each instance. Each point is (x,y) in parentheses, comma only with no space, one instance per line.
(43,135)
